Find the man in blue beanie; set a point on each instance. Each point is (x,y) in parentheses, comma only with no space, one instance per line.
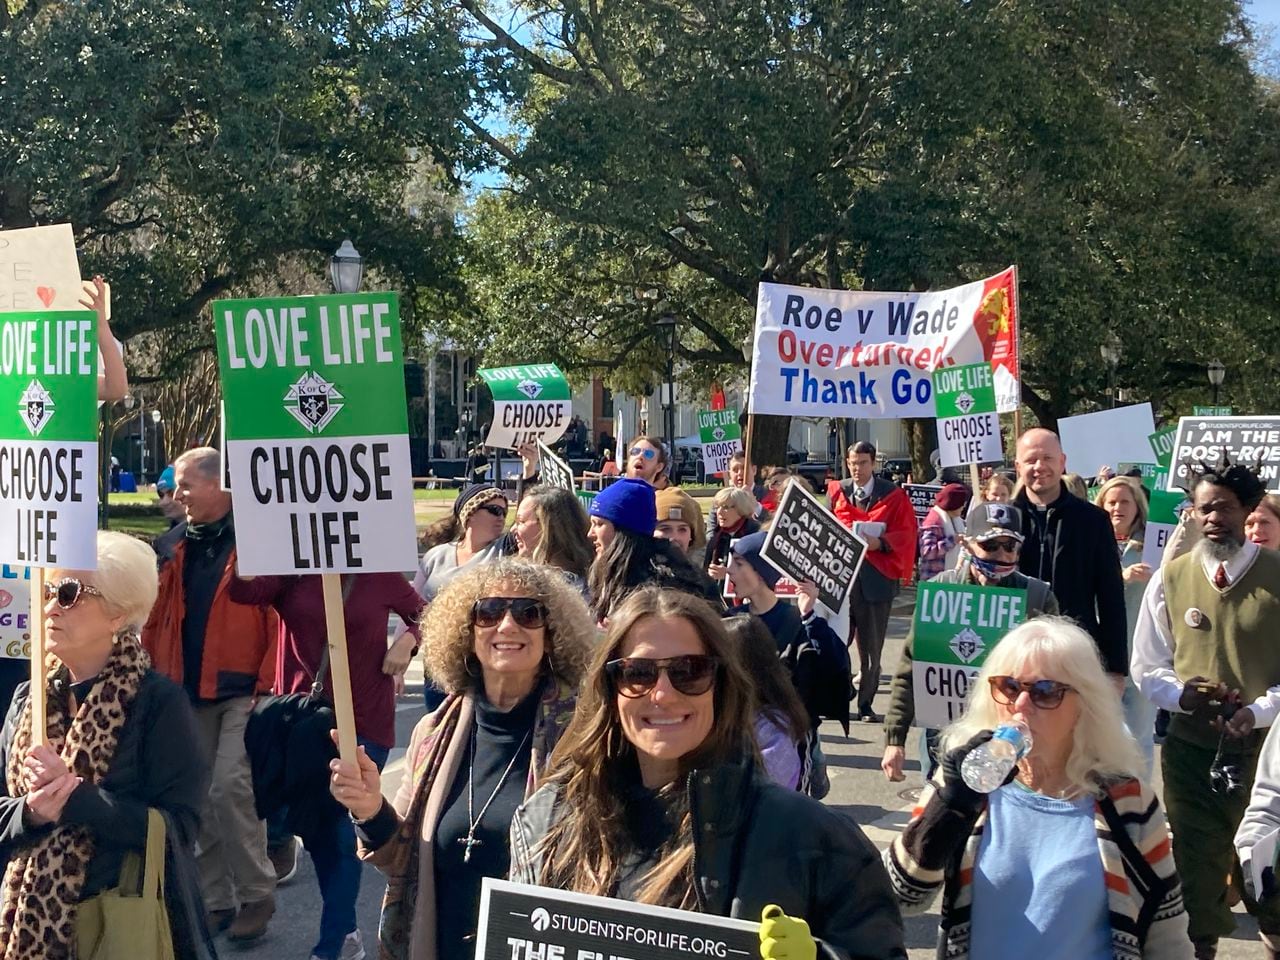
(628,504)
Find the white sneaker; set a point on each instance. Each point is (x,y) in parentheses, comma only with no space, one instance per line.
(352,948)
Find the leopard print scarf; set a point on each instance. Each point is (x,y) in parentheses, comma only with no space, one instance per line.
(42,882)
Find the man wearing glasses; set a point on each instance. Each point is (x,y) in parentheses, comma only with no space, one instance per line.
(991,547)
(647,461)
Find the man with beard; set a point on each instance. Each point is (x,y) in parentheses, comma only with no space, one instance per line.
(1205,650)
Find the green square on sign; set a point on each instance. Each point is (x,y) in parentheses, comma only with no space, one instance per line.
(964,390)
(959,623)
(49,391)
(717,426)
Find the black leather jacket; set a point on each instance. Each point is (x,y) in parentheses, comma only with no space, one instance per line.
(755,844)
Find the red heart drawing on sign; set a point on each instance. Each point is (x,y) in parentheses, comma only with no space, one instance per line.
(6,598)
(46,295)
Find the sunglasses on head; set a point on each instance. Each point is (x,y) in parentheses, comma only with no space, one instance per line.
(1007,544)
(692,675)
(68,592)
(647,452)
(1045,694)
(525,611)
(494,510)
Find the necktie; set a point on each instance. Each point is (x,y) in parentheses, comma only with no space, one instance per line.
(1220,577)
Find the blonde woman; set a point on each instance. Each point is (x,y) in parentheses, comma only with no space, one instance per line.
(507,641)
(1071,857)
(733,509)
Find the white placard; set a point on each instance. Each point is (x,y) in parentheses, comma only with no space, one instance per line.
(1107,438)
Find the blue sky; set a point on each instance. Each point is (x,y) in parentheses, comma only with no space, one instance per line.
(1266,13)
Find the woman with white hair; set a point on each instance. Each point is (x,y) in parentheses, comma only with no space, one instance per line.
(120,741)
(1071,857)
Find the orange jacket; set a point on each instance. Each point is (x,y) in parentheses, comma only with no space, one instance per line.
(239,643)
(890,506)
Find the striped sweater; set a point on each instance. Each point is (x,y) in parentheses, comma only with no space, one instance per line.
(939,847)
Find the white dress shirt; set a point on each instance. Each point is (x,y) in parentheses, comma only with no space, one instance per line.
(1151,664)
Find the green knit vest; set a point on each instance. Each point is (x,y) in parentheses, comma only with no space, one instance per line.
(1235,641)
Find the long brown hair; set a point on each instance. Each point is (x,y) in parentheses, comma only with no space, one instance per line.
(595,767)
(563,542)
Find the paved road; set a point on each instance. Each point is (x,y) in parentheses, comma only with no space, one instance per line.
(857,788)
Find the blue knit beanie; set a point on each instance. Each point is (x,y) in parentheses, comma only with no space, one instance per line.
(629,504)
(748,548)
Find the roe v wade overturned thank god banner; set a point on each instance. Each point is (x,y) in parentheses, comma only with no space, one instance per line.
(845,353)
(317,434)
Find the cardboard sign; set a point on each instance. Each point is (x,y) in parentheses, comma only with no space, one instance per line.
(968,425)
(522,922)
(864,354)
(955,627)
(807,542)
(1251,441)
(1162,520)
(1105,438)
(317,434)
(921,496)
(39,269)
(721,437)
(553,471)
(49,439)
(531,402)
(15,621)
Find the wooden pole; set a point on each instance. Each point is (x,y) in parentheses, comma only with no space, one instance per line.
(339,667)
(746,453)
(975,478)
(39,707)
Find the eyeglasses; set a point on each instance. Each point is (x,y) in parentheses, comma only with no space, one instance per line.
(525,611)
(1045,694)
(68,592)
(494,510)
(1007,544)
(692,675)
(647,452)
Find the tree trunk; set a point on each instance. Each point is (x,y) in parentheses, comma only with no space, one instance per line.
(769,440)
(922,438)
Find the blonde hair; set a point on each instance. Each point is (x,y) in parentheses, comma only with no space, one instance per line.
(1139,497)
(449,638)
(1076,485)
(127,577)
(737,498)
(1102,748)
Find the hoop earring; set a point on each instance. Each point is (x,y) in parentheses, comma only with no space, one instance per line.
(467,661)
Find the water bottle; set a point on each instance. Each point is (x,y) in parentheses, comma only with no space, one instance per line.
(987,765)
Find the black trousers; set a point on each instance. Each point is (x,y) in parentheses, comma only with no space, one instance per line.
(869,623)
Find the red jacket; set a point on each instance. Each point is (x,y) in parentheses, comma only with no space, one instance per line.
(239,644)
(890,506)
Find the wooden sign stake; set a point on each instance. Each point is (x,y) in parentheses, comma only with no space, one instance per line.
(339,667)
(39,706)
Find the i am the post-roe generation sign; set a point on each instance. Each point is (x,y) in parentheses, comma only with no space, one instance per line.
(317,434)
(49,439)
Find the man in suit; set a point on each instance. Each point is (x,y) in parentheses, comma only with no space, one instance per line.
(891,556)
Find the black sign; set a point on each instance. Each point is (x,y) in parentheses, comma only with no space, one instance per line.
(1251,441)
(921,496)
(521,922)
(553,471)
(807,542)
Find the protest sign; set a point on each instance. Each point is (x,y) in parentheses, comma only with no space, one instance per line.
(847,353)
(524,922)
(807,542)
(956,625)
(921,496)
(39,269)
(968,425)
(317,434)
(1105,438)
(721,438)
(553,471)
(15,602)
(1211,411)
(585,497)
(1251,441)
(49,438)
(531,402)
(1162,520)
(1162,445)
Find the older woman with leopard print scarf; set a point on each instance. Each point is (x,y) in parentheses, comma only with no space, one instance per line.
(120,739)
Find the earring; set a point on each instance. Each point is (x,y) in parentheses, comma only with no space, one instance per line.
(467,661)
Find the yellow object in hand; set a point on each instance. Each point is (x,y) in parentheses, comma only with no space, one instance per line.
(785,938)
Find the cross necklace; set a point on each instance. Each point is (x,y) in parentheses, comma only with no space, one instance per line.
(470,840)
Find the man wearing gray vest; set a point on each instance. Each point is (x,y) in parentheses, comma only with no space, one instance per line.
(1205,642)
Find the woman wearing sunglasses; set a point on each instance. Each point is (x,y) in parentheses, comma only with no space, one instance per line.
(1071,857)
(508,641)
(121,739)
(656,795)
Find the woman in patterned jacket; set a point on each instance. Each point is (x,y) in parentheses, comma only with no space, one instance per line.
(1071,857)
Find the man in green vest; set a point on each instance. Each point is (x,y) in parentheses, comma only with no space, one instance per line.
(1205,643)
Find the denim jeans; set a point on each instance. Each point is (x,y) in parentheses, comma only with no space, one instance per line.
(333,853)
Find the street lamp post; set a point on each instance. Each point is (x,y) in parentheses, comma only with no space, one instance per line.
(667,326)
(1110,350)
(155,436)
(1217,373)
(346,269)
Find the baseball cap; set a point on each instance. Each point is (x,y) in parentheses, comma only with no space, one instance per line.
(991,520)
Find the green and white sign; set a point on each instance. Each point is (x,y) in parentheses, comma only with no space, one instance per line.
(317,433)
(955,627)
(1162,442)
(1211,411)
(531,402)
(49,439)
(721,438)
(968,425)
(1162,520)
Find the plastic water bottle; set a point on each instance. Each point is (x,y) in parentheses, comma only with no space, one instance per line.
(987,765)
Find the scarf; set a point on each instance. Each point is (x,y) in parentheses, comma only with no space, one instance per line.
(208,531)
(42,883)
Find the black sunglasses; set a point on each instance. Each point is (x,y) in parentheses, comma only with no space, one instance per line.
(1007,544)
(1045,694)
(525,611)
(692,675)
(494,509)
(68,592)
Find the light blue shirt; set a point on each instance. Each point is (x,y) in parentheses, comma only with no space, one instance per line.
(1038,887)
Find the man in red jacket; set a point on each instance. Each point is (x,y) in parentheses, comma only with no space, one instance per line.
(891,556)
